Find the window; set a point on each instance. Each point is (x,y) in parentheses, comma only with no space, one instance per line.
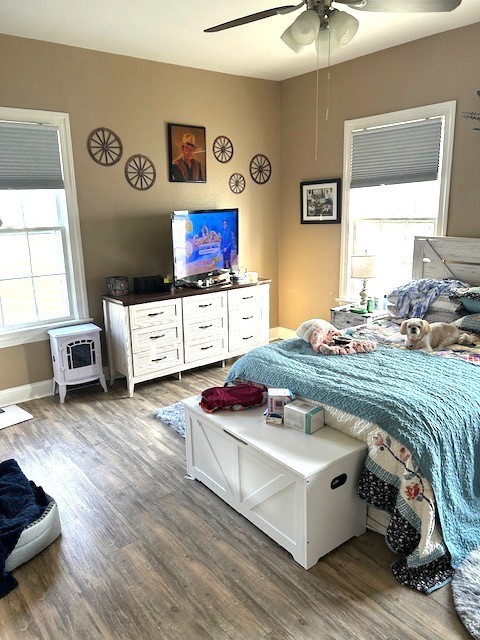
(42,282)
(396,184)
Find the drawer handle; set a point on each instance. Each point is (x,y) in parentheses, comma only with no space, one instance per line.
(159,359)
(202,306)
(205,348)
(247,298)
(157,337)
(205,326)
(247,338)
(235,437)
(247,318)
(158,313)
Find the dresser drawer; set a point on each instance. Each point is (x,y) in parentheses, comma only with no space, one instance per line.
(196,351)
(204,329)
(209,305)
(155,313)
(157,359)
(154,337)
(245,298)
(245,319)
(244,340)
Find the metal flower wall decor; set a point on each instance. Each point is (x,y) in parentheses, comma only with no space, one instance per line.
(472,115)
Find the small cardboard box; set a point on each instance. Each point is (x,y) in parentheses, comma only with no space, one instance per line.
(303,416)
(277,399)
(271,418)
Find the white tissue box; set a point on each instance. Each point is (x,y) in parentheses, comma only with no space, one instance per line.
(303,416)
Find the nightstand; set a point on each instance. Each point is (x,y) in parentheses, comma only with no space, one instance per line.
(342,317)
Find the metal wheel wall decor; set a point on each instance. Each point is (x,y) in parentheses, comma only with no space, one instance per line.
(223,149)
(237,183)
(140,172)
(260,169)
(104,146)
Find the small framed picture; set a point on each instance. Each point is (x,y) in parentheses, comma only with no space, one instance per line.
(186,153)
(320,202)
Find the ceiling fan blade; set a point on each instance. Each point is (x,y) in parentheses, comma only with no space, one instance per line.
(403,6)
(251,18)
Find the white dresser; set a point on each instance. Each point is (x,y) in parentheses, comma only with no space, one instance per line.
(153,335)
(299,489)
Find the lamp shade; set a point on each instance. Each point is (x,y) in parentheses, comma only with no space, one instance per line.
(343,27)
(364,266)
(305,27)
(289,40)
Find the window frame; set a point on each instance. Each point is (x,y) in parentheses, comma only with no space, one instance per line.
(445,109)
(72,236)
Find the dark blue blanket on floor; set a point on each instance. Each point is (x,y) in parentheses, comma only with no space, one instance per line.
(21,503)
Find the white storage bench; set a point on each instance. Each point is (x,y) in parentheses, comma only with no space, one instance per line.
(299,489)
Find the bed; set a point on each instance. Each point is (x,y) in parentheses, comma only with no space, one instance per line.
(419,414)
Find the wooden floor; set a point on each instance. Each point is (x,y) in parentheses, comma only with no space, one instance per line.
(148,554)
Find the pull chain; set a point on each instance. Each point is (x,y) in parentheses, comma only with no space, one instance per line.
(327,109)
(316,110)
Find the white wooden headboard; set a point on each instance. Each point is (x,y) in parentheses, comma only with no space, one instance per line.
(447,257)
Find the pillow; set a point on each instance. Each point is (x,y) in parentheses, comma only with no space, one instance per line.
(443,303)
(470,298)
(469,323)
(471,304)
(443,316)
(306,329)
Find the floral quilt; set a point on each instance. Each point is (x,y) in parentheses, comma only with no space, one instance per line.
(392,482)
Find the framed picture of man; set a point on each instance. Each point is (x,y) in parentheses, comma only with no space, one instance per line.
(320,201)
(186,153)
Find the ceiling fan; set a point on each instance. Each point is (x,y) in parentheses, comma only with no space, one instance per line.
(320,19)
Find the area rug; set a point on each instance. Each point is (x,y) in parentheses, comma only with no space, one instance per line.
(466,593)
(173,416)
(13,415)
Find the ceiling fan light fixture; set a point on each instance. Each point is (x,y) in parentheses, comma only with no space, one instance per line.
(305,27)
(324,43)
(343,27)
(289,40)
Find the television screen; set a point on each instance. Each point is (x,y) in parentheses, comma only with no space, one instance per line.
(204,242)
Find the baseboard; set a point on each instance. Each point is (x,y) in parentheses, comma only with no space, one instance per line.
(27,392)
(281,333)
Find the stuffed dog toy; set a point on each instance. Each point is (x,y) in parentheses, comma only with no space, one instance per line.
(427,337)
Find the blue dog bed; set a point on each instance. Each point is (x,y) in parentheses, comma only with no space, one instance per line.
(29,521)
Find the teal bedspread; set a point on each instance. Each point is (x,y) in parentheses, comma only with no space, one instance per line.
(429,404)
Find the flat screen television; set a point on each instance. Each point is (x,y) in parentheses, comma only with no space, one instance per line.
(205,244)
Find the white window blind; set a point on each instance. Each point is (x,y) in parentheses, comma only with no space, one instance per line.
(396,154)
(29,157)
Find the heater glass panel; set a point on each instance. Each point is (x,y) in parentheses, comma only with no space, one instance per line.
(81,353)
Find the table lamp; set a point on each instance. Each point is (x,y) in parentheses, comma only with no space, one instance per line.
(364,267)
